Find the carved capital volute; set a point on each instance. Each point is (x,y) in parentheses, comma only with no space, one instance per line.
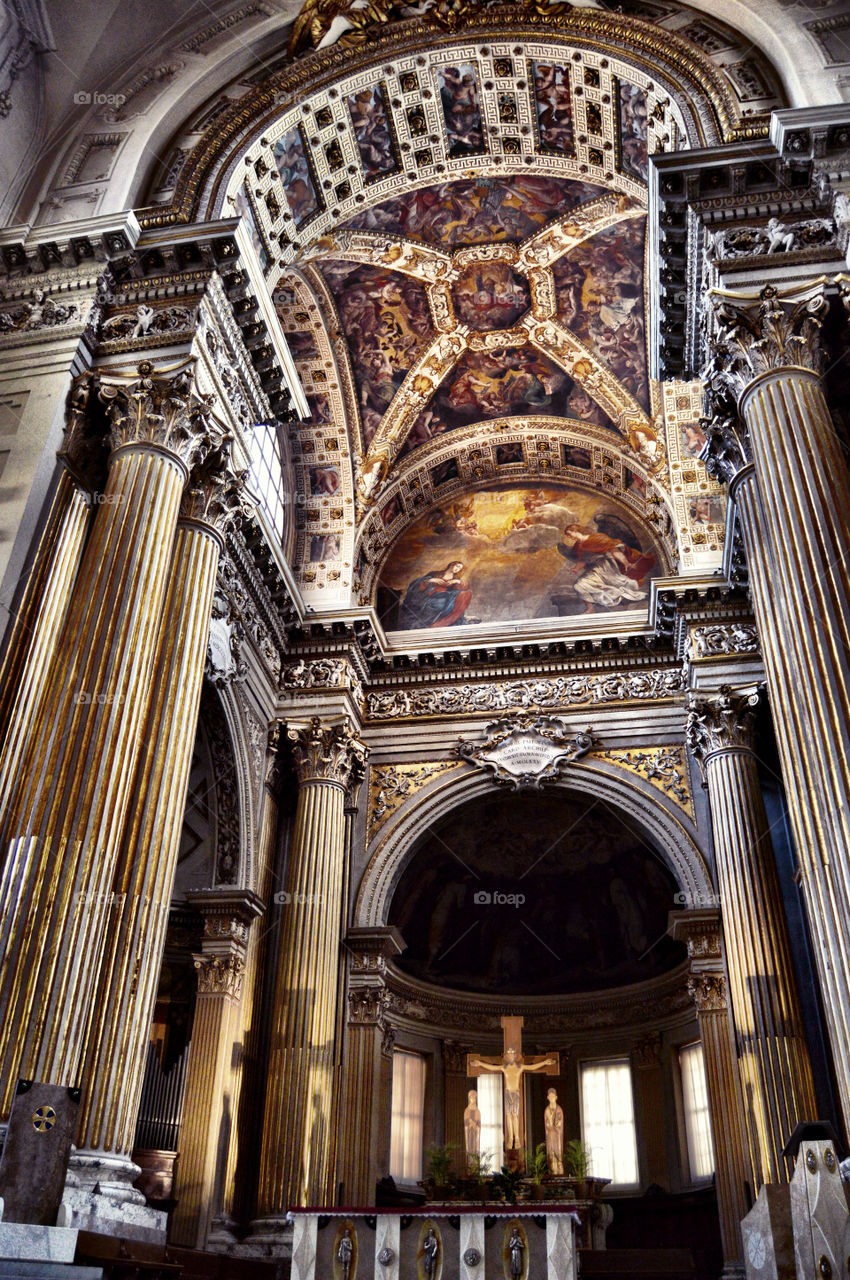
(326,752)
(722,723)
(220,975)
(213,494)
(708,992)
(159,410)
(727,452)
(766,335)
(84,448)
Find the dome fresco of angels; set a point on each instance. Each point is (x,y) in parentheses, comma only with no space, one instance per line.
(472,307)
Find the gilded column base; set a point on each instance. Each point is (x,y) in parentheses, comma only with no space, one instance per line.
(100,1194)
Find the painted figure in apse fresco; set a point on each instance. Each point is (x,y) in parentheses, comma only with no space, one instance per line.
(615,572)
(437,599)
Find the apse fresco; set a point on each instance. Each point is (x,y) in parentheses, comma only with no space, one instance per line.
(536,894)
(634,150)
(599,293)
(290,158)
(481,211)
(554,106)
(500,383)
(386,320)
(459,99)
(515,552)
(371,124)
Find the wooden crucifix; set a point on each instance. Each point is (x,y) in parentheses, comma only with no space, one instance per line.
(512,1066)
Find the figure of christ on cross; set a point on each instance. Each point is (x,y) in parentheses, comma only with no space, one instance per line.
(513,1066)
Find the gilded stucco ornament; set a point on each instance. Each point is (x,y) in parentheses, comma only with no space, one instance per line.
(213,493)
(160,409)
(708,992)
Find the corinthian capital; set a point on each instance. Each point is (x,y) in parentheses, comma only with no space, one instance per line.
(214,490)
(727,450)
(220,975)
(719,723)
(330,753)
(158,409)
(765,335)
(84,449)
(708,992)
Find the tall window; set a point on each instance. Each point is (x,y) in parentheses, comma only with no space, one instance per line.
(697,1115)
(489,1087)
(407,1109)
(266,474)
(608,1121)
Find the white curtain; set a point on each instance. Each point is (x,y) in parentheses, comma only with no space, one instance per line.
(490,1105)
(697,1114)
(608,1121)
(407,1110)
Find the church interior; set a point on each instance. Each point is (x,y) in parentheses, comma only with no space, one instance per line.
(425,639)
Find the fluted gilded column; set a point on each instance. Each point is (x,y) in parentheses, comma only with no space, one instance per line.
(700,930)
(367,1072)
(38,622)
(207,1111)
(65,802)
(294,1166)
(147,860)
(773,1058)
(768,358)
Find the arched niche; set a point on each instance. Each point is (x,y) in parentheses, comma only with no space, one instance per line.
(402,836)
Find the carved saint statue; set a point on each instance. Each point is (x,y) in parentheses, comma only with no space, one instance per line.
(516,1244)
(345,1253)
(553,1122)
(431,1248)
(512,1069)
(472,1126)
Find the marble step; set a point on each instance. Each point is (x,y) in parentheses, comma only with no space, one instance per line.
(18,1269)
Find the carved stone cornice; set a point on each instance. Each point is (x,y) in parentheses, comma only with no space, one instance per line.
(160,410)
(326,752)
(765,336)
(722,723)
(720,640)
(699,928)
(227,914)
(213,494)
(708,992)
(370,949)
(321,673)
(220,975)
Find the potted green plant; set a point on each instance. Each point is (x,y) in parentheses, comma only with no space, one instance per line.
(478,1181)
(537,1167)
(577,1165)
(510,1183)
(440,1160)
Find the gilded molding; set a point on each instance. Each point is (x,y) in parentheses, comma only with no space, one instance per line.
(722,723)
(663,767)
(326,753)
(391,785)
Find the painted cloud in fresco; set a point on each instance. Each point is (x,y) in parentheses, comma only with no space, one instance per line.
(372,131)
(634,153)
(502,383)
(512,553)
(386,320)
(483,211)
(459,99)
(290,160)
(599,288)
(554,106)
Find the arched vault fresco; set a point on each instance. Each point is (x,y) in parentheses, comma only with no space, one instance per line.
(515,552)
